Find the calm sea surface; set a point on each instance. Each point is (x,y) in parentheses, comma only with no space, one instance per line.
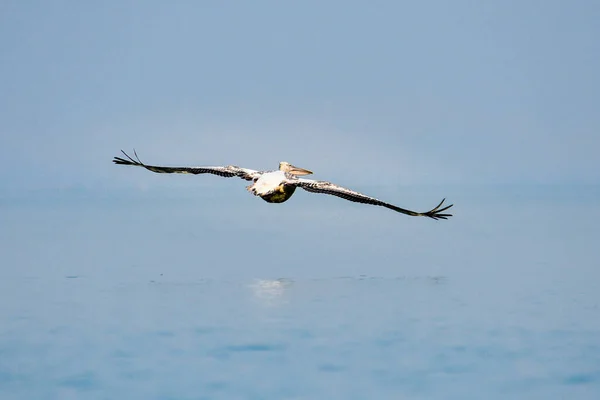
(146,295)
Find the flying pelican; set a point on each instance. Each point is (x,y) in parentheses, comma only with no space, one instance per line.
(279,185)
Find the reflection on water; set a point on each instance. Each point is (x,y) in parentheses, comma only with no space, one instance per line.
(275,292)
(271,292)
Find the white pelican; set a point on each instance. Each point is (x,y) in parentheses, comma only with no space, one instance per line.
(278,186)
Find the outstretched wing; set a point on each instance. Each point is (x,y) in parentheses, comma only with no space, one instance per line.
(227,172)
(351,195)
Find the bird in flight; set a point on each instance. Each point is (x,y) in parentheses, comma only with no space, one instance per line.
(279,185)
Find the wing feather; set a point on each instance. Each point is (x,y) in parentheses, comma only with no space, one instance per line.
(227,172)
(351,195)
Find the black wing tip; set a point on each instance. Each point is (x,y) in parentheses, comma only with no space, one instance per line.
(438,213)
(129,161)
(119,160)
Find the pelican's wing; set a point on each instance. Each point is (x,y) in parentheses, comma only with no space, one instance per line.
(335,190)
(228,171)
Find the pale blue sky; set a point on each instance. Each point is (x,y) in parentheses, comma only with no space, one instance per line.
(437,92)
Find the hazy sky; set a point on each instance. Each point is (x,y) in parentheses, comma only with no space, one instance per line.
(437,92)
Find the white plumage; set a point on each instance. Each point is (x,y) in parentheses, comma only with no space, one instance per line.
(267,182)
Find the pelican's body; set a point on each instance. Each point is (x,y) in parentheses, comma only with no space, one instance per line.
(279,185)
(272,188)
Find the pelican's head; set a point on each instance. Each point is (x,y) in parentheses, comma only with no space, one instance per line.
(287,167)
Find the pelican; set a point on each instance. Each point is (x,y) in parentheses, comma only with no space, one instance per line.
(279,185)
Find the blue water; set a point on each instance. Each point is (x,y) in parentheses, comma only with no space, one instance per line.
(218,296)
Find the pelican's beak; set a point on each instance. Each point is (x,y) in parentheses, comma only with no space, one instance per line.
(299,171)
